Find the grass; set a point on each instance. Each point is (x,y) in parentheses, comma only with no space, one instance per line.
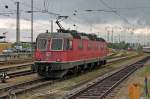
(145,71)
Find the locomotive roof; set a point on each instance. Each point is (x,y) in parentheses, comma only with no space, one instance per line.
(71,35)
(55,35)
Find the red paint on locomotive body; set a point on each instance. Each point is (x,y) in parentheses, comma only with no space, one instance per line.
(97,49)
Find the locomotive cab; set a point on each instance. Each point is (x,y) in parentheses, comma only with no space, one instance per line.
(51,47)
(51,52)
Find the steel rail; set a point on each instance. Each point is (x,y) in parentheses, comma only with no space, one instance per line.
(21,73)
(100,88)
(8,68)
(23,87)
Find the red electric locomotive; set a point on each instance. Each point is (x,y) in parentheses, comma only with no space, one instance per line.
(60,53)
(68,51)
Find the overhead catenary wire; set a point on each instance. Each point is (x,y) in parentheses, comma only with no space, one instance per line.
(46,3)
(132,8)
(39,10)
(26,19)
(118,14)
(115,11)
(27,5)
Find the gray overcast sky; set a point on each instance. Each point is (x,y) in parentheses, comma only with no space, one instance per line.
(137,12)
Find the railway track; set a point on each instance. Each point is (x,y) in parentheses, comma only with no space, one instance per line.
(14,67)
(17,70)
(15,58)
(21,73)
(114,60)
(23,87)
(100,88)
(115,55)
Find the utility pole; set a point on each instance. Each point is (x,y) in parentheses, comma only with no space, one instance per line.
(18,25)
(51,26)
(107,31)
(112,36)
(32,25)
(119,38)
(107,36)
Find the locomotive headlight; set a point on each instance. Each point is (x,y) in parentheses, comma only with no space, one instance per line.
(38,59)
(48,54)
(58,60)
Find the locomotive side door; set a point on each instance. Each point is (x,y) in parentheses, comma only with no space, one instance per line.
(69,49)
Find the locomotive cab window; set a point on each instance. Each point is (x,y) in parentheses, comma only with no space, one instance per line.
(57,44)
(42,44)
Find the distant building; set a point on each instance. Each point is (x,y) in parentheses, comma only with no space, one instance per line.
(4,45)
(146,49)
